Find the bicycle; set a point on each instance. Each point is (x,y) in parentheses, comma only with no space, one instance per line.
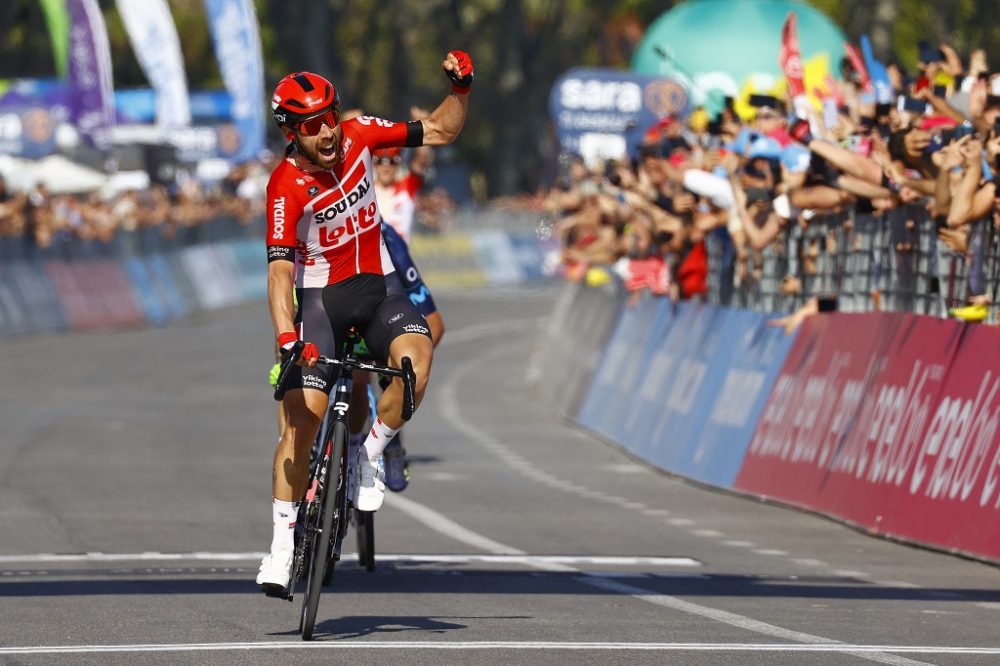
(324,513)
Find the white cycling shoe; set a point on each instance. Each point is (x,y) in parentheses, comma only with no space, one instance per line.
(275,572)
(369,487)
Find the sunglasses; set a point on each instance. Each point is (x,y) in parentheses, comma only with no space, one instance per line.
(313,125)
(386,160)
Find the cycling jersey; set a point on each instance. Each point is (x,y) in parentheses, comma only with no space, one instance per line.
(329,221)
(398,212)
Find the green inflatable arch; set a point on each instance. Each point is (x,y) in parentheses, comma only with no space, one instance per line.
(721,46)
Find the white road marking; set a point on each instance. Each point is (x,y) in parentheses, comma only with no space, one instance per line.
(680,522)
(861,650)
(736,620)
(739,544)
(452,413)
(448,527)
(707,533)
(771,551)
(809,562)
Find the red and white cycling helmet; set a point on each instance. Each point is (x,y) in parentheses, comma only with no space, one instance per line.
(302,95)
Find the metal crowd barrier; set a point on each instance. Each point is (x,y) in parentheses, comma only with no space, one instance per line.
(872,262)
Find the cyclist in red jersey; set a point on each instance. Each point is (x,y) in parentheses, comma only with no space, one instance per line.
(324,241)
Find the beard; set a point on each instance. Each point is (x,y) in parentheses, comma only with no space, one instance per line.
(322,159)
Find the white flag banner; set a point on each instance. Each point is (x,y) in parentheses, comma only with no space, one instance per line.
(151,31)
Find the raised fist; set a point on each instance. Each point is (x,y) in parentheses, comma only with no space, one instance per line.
(458,66)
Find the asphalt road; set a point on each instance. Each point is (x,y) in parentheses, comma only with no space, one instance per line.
(134,503)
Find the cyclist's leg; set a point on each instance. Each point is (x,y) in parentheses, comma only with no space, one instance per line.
(407,279)
(302,410)
(399,330)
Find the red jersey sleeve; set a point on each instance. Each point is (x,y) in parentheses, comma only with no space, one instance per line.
(381,133)
(283,213)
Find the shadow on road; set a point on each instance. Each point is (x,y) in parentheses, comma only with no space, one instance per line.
(420,579)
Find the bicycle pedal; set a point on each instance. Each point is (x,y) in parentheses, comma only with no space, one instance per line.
(276,591)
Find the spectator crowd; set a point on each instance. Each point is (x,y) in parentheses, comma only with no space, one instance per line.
(753,183)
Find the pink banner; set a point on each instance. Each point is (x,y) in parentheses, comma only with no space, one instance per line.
(95,294)
(891,422)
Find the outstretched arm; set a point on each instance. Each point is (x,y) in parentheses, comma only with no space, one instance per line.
(446,121)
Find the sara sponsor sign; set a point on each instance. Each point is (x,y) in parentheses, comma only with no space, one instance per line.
(603,113)
(890,422)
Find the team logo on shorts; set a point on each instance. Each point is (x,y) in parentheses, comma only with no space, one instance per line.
(416,328)
(396,317)
(313,191)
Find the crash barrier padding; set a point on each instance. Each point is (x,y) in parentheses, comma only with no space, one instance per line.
(886,421)
(890,422)
(578,329)
(482,257)
(681,385)
(152,277)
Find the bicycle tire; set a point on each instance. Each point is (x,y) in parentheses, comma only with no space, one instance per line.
(328,526)
(365,528)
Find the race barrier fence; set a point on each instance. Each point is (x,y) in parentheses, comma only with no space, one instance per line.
(887,421)
(157,274)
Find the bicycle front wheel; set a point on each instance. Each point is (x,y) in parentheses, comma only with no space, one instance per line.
(328,525)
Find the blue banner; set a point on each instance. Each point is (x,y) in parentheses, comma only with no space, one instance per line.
(604,113)
(237,48)
(27,132)
(682,386)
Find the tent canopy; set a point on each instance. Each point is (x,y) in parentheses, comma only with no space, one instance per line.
(730,47)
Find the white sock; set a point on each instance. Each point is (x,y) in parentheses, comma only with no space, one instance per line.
(284,514)
(378,438)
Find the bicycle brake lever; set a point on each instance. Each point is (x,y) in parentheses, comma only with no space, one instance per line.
(409,399)
(287,361)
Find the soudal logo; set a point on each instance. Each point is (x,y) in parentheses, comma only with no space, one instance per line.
(339,208)
(278,217)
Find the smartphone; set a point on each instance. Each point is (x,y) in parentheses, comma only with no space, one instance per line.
(983,76)
(928,53)
(729,102)
(940,91)
(911,105)
(882,110)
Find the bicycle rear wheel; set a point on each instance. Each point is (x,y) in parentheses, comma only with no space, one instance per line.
(328,526)
(364,523)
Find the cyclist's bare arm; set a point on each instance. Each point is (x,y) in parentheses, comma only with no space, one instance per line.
(446,121)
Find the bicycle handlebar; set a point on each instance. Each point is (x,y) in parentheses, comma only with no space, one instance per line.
(405,373)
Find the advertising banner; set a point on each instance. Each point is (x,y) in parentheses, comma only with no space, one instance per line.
(35,293)
(154,39)
(146,291)
(237,48)
(581,323)
(496,256)
(168,285)
(814,404)
(78,294)
(603,113)
(89,74)
(28,132)
(616,381)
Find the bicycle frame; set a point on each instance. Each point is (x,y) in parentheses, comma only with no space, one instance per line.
(330,472)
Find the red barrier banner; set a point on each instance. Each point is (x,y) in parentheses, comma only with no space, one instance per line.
(115,290)
(83,309)
(891,422)
(95,294)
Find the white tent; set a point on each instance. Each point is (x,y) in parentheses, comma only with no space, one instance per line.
(58,174)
